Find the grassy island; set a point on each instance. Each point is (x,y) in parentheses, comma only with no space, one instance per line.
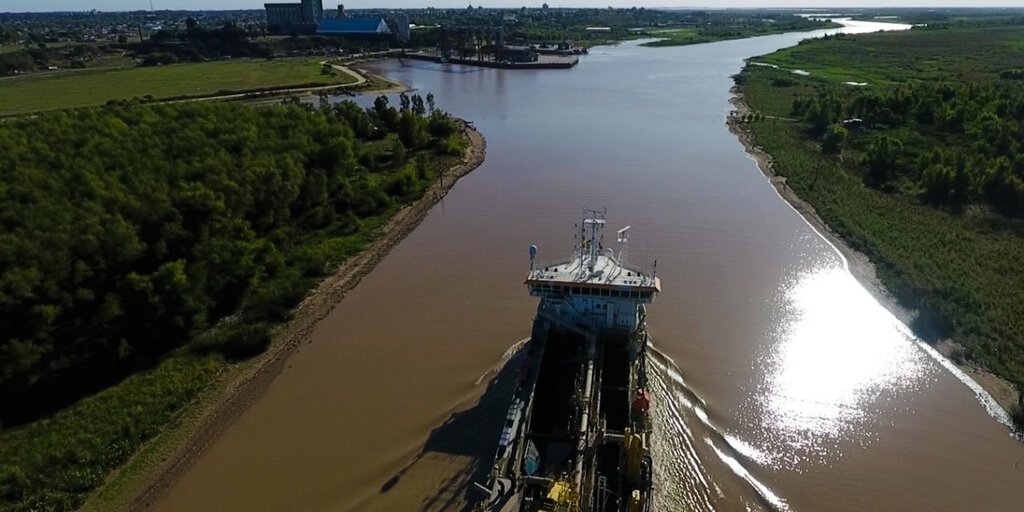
(722,29)
(909,146)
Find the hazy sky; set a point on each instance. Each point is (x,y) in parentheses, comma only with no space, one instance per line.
(124,5)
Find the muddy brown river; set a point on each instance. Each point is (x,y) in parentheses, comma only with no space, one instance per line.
(781,384)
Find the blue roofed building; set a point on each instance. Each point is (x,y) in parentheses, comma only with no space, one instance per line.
(362,27)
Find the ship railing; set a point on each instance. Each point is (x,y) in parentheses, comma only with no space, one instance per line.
(543,266)
(539,268)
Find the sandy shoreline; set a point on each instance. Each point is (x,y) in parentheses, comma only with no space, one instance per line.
(245,388)
(1004,393)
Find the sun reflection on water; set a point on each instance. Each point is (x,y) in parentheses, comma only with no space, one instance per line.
(834,358)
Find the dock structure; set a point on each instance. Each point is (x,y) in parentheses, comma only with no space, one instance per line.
(542,62)
(486,47)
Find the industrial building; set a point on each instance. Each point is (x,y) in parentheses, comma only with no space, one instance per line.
(515,54)
(300,18)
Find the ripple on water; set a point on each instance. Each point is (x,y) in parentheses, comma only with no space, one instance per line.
(689,474)
(833,359)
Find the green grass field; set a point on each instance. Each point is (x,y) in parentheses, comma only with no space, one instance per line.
(69,89)
(954,54)
(674,37)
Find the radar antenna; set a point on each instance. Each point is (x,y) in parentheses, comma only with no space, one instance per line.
(623,239)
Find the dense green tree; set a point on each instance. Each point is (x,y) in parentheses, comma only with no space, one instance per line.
(938,181)
(821,112)
(397,152)
(1004,188)
(412,131)
(418,107)
(982,126)
(125,231)
(882,158)
(834,138)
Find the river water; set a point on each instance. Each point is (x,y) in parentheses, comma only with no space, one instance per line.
(782,383)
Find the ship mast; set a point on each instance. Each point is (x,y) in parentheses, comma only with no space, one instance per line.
(592,239)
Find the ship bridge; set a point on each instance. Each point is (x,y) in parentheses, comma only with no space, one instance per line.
(605,277)
(594,288)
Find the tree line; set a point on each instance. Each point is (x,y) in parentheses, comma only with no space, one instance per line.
(952,144)
(128,230)
(196,43)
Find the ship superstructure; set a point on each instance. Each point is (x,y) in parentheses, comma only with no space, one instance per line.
(576,436)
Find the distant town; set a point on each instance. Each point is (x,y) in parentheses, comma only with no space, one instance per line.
(32,42)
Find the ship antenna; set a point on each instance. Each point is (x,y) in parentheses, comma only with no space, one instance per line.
(647,247)
(579,242)
(623,238)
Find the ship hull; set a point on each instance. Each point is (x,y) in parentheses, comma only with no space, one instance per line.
(576,439)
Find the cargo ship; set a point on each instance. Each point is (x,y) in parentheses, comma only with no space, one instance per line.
(577,432)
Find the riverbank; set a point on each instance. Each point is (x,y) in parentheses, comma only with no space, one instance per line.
(151,471)
(859,264)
